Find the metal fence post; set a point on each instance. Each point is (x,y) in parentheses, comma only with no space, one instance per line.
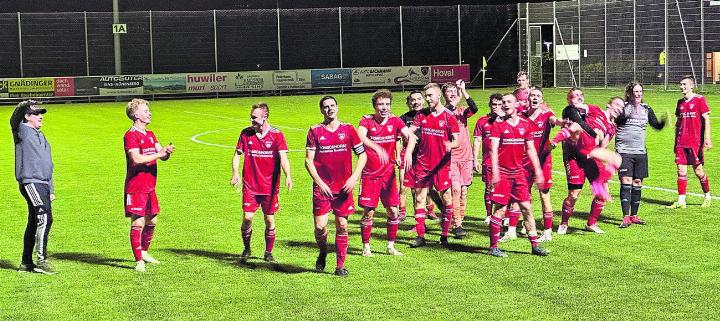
(605,43)
(555,43)
(278,40)
(702,44)
(87,49)
(459,38)
(667,51)
(116,39)
(579,81)
(402,43)
(152,48)
(340,35)
(22,71)
(215,38)
(634,41)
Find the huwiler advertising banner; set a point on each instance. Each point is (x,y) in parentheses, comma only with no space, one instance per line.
(31,87)
(251,81)
(291,79)
(390,76)
(207,82)
(120,85)
(164,84)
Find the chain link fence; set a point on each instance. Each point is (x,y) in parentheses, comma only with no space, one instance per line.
(606,43)
(82,43)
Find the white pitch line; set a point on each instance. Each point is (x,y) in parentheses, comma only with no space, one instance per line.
(662,189)
(238,119)
(196,140)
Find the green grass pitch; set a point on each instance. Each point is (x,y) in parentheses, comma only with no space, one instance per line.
(667,269)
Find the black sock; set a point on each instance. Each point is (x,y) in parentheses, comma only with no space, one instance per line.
(625,194)
(636,192)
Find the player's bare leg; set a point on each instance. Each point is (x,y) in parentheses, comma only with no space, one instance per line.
(341,245)
(321,234)
(366,224)
(403,196)
(246,232)
(392,227)
(568,208)
(420,200)
(136,227)
(547,211)
(529,222)
(459,205)
(447,215)
(433,197)
(269,238)
(495,228)
(147,235)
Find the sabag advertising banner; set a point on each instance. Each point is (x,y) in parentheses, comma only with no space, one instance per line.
(291,79)
(250,81)
(390,76)
(331,77)
(450,73)
(120,85)
(64,87)
(164,84)
(206,82)
(31,87)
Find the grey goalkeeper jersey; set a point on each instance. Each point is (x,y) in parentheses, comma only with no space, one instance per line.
(632,123)
(33,163)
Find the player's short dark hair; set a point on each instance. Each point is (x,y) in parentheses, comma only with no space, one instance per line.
(495,96)
(629,90)
(409,96)
(381,93)
(447,86)
(322,100)
(261,105)
(691,77)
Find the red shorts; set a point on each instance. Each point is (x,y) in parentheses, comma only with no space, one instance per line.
(439,178)
(141,204)
(409,178)
(577,170)
(511,188)
(374,189)
(341,204)
(547,174)
(689,156)
(268,203)
(486,173)
(461,172)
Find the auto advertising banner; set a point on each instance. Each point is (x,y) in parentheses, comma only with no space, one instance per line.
(120,85)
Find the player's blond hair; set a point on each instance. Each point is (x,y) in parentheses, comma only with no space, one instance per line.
(263,106)
(133,106)
(432,85)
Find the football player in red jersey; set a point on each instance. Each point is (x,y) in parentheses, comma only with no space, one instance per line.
(328,159)
(265,151)
(142,150)
(438,131)
(511,142)
(692,139)
(379,133)
(522,92)
(482,142)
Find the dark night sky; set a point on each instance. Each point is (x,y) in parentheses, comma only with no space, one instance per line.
(192,5)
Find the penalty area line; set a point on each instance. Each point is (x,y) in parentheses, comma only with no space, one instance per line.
(195,139)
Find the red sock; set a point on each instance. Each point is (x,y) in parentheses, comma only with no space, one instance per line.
(392,228)
(420,222)
(533,240)
(135,243)
(147,236)
(430,208)
(567,211)
(246,236)
(514,216)
(595,210)
(269,240)
(682,184)
(341,247)
(495,228)
(403,212)
(548,220)
(488,202)
(366,229)
(447,218)
(321,240)
(705,184)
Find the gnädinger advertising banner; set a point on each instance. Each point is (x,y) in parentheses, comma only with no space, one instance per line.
(164,84)
(390,76)
(31,87)
(120,85)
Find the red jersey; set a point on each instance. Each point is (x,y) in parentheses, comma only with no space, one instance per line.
(541,132)
(435,130)
(523,98)
(690,130)
(464,150)
(482,130)
(140,178)
(384,134)
(512,149)
(261,166)
(333,153)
